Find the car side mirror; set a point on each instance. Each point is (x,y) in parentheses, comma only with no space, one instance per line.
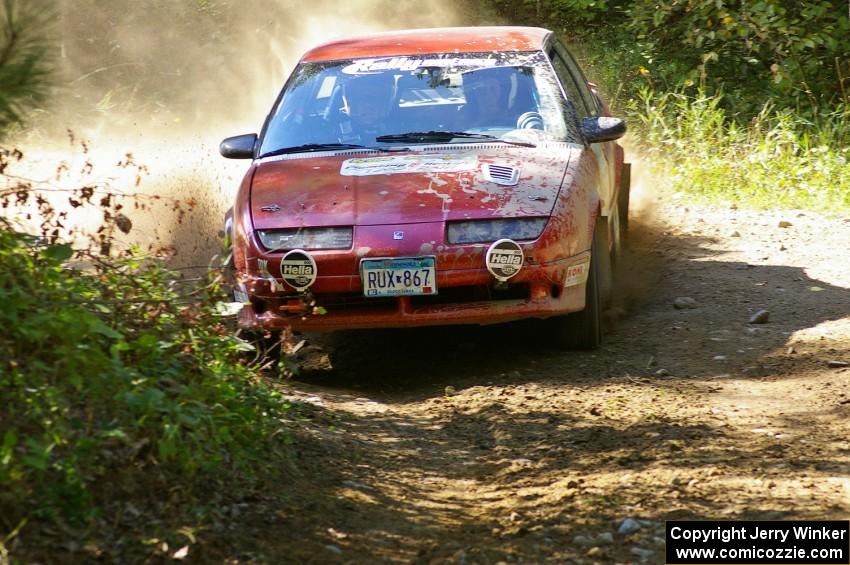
(602,128)
(239,147)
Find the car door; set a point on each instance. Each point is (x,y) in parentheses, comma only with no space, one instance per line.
(576,89)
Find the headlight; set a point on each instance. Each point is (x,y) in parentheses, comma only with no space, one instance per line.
(484,231)
(306,238)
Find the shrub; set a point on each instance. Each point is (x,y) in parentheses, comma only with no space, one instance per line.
(112,365)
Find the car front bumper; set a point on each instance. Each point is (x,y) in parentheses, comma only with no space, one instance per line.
(466,296)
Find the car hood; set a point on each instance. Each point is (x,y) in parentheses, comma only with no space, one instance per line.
(438,184)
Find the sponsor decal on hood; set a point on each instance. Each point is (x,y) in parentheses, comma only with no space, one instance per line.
(395,164)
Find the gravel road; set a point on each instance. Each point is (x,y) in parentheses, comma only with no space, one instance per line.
(479,445)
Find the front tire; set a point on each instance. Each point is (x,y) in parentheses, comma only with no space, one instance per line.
(604,261)
(582,330)
(623,198)
(267,346)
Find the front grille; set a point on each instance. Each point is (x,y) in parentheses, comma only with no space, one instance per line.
(467,294)
(338,302)
(355,301)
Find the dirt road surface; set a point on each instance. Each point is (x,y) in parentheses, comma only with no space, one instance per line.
(479,445)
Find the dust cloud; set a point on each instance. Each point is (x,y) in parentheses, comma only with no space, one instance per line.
(163,82)
(638,268)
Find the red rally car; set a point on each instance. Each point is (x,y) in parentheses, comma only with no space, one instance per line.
(431,177)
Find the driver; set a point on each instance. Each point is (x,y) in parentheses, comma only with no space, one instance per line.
(486,92)
(367,104)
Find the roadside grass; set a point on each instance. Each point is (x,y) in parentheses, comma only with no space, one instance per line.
(776,160)
(710,147)
(120,381)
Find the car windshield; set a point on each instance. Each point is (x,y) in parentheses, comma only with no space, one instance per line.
(384,102)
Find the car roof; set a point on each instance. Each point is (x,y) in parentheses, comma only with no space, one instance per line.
(438,40)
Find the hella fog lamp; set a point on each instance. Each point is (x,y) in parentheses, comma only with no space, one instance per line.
(504,259)
(298,269)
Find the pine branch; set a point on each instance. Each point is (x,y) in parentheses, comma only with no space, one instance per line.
(12,41)
(25,64)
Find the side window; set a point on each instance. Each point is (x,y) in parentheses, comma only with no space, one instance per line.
(570,88)
(579,78)
(598,101)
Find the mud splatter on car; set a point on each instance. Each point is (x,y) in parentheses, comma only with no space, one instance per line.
(453,176)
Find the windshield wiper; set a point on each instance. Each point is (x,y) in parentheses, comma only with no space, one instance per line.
(307,147)
(423,136)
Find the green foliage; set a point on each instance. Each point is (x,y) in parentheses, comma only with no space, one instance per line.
(25,63)
(614,61)
(566,15)
(115,366)
(579,10)
(743,101)
(794,53)
(777,160)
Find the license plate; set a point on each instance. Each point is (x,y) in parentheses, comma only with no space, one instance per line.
(399,276)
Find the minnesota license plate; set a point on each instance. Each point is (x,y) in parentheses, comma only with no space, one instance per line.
(399,276)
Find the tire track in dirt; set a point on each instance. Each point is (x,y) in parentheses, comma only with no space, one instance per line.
(480,446)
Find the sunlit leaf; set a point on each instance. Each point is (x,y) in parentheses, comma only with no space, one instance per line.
(60,252)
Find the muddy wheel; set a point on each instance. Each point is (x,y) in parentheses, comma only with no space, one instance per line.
(582,330)
(623,198)
(267,346)
(605,261)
